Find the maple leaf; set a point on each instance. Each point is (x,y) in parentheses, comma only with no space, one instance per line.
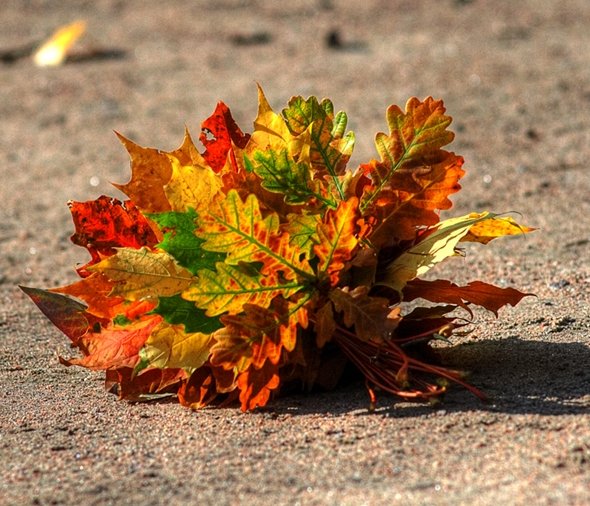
(142,273)
(115,346)
(271,132)
(336,239)
(95,290)
(219,133)
(181,242)
(191,186)
(151,170)
(107,223)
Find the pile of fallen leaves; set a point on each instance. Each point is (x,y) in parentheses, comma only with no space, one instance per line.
(263,261)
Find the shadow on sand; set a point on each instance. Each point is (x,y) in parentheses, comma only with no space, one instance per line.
(519,376)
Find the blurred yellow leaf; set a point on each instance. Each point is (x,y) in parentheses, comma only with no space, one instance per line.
(54,51)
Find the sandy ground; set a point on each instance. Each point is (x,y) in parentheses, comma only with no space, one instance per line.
(516,78)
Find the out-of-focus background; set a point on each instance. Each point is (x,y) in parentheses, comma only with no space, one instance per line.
(516,78)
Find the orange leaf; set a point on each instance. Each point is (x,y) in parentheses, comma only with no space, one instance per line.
(151,170)
(117,346)
(412,198)
(337,241)
(415,176)
(477,292)
(94,290)
(256,385)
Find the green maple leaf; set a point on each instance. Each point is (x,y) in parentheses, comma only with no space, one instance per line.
(176,310)
(182,243)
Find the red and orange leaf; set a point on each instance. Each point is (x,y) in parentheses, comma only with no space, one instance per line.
(477,292)
(95,291)
(337,241)
(256,385)
(414,171)
(66,314)
(106,223)
(413,197)
(219,133)
(116,346)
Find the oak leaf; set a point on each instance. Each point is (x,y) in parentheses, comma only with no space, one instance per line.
(337,241)
(477,292)
(370,316)
(415,176)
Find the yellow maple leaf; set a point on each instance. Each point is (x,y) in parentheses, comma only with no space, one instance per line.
(169,346)
(141,273)
(191,186)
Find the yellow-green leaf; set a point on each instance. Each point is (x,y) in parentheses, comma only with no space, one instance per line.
(229,288)
(141,273)
(271,132)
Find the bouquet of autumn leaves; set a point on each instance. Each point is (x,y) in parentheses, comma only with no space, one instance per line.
(264,261)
